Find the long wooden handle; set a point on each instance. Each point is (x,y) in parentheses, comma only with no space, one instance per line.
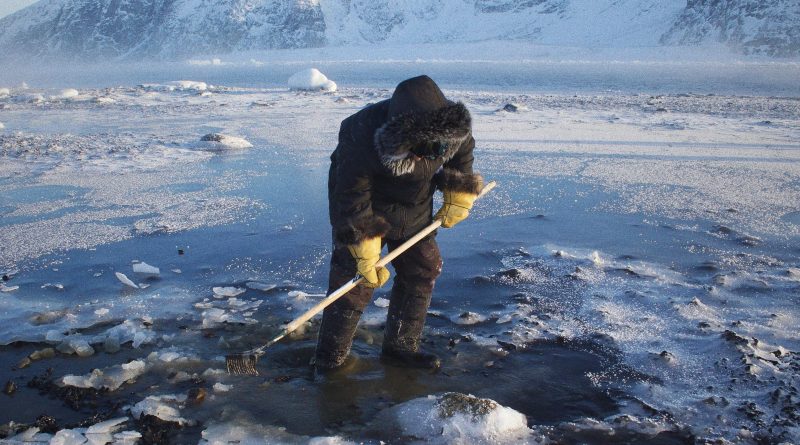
(335,295)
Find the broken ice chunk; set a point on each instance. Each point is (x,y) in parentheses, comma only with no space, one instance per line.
(220,387)
(467,318)
(112,378)
(231,291)
(4,288)
(145,268)
(109,426)
(381,302)
(125,280)
(165,407)
(255,285)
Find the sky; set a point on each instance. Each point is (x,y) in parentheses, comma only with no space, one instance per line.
(9,6)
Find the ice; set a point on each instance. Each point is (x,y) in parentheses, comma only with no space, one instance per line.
(69,437)
(108,426)
(110,378)
(165,407)
(125,280)
(468,318)
(4,288)
(101,312)
(242,433)
(220,387)
(459,418)
(381,302)
(227,291)
(220,142)
(264,287)
(5,92)
(127,437)
(2,126)
(145,268)
(189,85)
(69,93)
(311,79)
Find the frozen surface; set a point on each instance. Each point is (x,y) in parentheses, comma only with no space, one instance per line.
(459,418)
(656,227)
(311,79)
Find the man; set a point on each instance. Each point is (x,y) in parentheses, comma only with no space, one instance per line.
(390,159)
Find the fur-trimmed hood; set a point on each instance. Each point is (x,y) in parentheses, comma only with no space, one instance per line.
(394,140)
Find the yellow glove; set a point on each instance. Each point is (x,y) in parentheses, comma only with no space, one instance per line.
(366,254)
(455,208)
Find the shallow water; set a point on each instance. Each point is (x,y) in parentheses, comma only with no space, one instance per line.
(610,284)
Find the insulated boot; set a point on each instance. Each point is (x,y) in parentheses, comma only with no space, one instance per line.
(335,337)
(404,323)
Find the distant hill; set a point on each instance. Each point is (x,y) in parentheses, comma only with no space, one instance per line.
(135,29)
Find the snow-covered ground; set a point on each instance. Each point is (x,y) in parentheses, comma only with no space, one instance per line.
(634,277)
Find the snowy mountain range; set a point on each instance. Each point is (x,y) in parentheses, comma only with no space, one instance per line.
(133,29)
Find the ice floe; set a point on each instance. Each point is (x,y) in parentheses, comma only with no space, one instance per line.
(144,268)
(311,79)
(125,280)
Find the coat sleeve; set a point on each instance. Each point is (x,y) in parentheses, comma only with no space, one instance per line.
(457,175)
(351,200)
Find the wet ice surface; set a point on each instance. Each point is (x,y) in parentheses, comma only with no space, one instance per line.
(634,277)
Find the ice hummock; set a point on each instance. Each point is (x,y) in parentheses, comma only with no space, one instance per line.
(311,79)
(220,142)
(459,418)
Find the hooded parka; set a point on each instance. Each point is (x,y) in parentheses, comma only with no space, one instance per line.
(378,188)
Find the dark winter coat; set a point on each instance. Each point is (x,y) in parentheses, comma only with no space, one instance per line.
(376,187)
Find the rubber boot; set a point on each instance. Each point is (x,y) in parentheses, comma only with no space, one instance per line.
(335,337)
(404,325)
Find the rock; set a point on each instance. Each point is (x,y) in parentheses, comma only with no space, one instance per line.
(42,354)
(10,388)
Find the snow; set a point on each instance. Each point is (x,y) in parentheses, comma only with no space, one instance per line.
(458,418)
(189,85)
(145,268)
(311,79)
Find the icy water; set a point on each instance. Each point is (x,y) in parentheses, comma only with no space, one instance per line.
(634,277)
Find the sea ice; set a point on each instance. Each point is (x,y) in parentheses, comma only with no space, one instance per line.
(227,291)
(311,79)
(125,280)
(189,85)
(145,268)
(110,378)
(459,418)
(255,285)
(165,407)
(220,142)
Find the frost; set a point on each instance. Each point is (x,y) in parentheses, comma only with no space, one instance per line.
(125,280)
(311,79)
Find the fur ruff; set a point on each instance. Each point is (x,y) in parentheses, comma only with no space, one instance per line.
(395,139)
(356,230)
(454,181)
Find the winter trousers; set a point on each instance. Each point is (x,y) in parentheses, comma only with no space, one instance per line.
(415,274)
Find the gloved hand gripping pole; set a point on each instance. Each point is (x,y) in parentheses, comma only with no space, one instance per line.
(244,363)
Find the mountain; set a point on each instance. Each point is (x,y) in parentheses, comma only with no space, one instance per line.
(133,29)
(750,26)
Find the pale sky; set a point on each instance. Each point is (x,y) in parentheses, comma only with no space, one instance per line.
(9,6)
